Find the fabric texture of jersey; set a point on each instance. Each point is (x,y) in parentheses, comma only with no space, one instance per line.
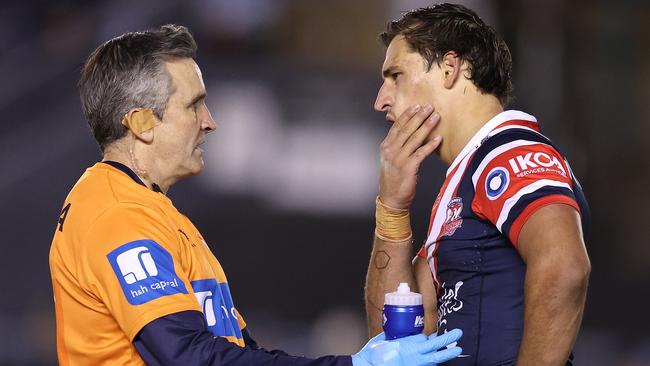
(123,256)
(506,172)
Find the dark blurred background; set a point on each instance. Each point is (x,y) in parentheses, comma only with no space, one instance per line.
(287,197)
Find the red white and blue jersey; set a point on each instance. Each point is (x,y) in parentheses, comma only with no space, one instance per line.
(506,172)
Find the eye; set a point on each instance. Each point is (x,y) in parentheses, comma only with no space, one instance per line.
(195,106)
(395,75)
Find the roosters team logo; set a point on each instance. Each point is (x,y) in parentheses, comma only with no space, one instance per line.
(453,220)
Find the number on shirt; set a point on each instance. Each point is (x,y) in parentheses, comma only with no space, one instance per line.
(64,214)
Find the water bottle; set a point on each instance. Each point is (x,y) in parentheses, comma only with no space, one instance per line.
(403,313)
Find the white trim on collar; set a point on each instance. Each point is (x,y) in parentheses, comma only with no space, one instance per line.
(490,125)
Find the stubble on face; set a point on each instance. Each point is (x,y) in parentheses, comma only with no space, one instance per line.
(410,79)
(182,132)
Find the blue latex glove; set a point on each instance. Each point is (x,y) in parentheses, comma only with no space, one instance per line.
(417,350)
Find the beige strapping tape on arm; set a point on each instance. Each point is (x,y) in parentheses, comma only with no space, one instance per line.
(392,224)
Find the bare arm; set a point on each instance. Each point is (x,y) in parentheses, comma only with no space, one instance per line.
(408,142)
(424,279)
(557,272)
(390,264)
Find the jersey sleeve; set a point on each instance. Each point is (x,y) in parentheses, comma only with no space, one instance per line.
(132,263)
(517,178)
(181,339)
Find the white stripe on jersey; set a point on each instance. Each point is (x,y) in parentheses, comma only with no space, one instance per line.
(492,133)
(441,212)
(510,202)
(498,151)
(441,215)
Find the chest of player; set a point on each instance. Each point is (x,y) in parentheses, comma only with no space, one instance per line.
(468,244)
(478,273)
(461,245)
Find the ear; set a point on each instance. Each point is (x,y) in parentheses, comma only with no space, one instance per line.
(450,65)
(141,121)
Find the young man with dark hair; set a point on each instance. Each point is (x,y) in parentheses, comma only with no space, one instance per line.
(134,281)
(505,257)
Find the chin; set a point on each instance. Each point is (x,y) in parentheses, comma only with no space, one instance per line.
(190,170)
(197,168)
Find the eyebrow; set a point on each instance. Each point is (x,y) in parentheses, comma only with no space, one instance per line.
(389,71)
(197,98)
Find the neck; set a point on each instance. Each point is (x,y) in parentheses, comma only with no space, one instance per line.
(466,123)
(148,177)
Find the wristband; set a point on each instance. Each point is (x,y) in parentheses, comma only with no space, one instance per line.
(392,224)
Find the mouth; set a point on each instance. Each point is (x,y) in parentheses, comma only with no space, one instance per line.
(198,146)
(390,118)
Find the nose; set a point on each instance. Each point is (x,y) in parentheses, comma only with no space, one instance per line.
(207,122)
(384,99)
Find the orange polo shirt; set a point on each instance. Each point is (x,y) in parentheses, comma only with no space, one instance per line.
(122,256)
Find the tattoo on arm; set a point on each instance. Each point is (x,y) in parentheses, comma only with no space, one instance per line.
(382,259)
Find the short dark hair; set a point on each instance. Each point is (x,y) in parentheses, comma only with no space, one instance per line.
(128,72)
(436,30)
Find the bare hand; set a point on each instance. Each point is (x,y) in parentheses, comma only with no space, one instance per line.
(402,152)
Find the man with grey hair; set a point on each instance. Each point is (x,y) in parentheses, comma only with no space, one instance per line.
(134,281)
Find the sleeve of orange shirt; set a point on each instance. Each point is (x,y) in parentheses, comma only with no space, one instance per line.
(133,263)
(240,320)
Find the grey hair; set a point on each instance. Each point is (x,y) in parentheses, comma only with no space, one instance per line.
(129,72)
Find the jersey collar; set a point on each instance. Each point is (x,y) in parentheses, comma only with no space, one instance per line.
(126,170)
(484,132)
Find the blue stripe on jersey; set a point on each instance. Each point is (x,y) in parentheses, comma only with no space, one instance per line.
(526,199)
(503,138)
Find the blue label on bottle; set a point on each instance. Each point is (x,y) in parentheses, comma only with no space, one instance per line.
(403,321)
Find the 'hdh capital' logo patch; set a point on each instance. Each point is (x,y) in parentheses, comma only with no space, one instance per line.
(145,271)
